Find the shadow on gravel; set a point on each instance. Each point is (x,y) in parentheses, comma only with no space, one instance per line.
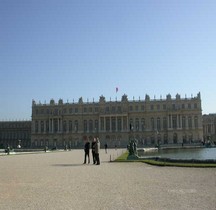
(69,165)
(77,164)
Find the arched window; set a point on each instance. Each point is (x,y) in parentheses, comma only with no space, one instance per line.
(165,139)
(175,138)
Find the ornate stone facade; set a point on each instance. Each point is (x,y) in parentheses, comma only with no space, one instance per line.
(14,133)
(209,128)
(157,121)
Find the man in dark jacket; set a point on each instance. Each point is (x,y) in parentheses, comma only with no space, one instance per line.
(97,151)
(86,149)
(93,145)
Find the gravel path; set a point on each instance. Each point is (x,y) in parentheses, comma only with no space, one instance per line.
(59,180)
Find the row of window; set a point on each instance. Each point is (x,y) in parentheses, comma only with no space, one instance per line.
(117,124)
(150,140)
(15,125)
(113,109)
(14,135)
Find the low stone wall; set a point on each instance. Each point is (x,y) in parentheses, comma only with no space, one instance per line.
(178,160)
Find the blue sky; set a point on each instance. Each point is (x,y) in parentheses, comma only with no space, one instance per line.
(68,49)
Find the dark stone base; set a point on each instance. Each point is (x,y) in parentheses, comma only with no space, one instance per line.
(132,157)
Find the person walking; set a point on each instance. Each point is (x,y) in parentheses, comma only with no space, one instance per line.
(93,145)
(97,150)
(86,149)
(106,146)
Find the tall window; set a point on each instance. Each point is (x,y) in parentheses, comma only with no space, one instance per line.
(158,124)
(189,106)
(119,109)
(152,124)
(183,122)
(55,125)
(152,139)
(165,139)
(131,124)
(119,124)
(102,123)
(36,126)
(90,125)
(42,126)
(113,123)
(65,126)
(143,124)
(85,126)
(96,125)
(76,124)
(47,125)
(137,124)
(164,123)
(107,124)
(152,107)
(189,122)
(70,126)
(113,109)
(107,109)
(125,123)
(174,121)
(196,122)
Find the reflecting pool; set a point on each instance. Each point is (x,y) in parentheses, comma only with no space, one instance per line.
(182,153)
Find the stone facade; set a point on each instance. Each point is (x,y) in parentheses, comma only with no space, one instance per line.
(13,131)
(209,128)
(151,121)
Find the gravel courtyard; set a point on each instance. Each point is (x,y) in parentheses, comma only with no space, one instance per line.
(60,180)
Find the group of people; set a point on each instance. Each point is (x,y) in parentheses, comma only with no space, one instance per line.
(95,147)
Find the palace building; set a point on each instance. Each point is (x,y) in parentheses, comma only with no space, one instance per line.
(209,128)
(15,133)
(151,121)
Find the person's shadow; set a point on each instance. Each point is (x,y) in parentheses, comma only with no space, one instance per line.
(69,165)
